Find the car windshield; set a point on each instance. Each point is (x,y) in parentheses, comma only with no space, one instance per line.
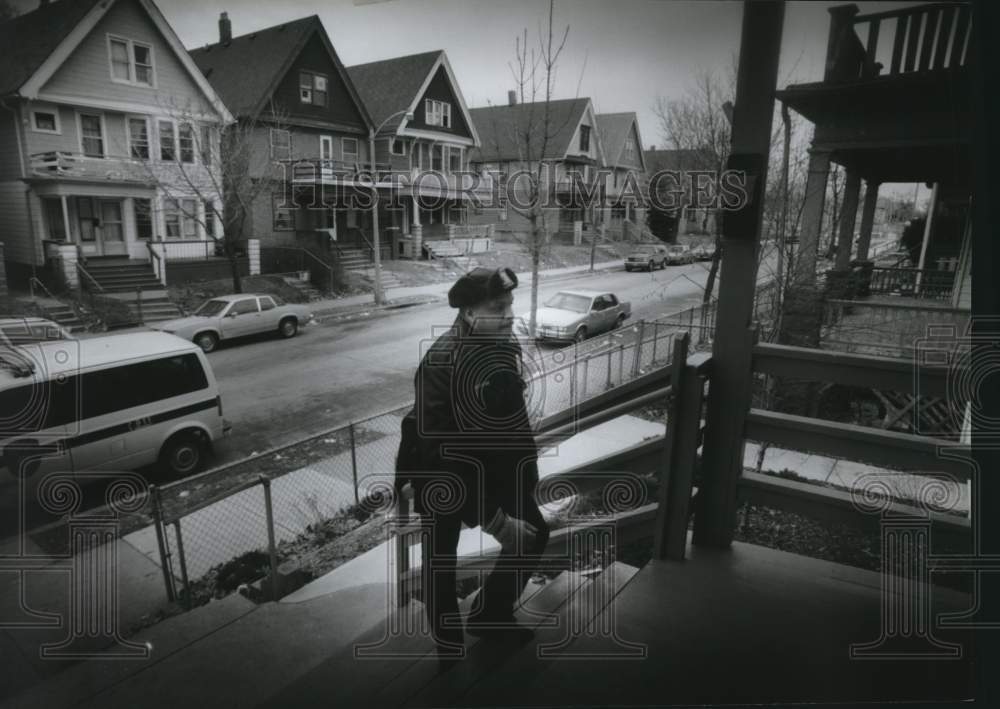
(644,250)
(676,249)
(29,333)
(569,301)
(211,308)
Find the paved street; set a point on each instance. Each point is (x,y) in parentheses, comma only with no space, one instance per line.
(276,391)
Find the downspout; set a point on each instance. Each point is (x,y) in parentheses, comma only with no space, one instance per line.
(928,225)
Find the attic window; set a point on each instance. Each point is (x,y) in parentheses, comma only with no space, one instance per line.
(312,88)
(131,62)
(584,139)
(437,113)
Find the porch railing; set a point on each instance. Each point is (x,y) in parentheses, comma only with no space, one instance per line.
(60,164)
(922,38)
(912,282)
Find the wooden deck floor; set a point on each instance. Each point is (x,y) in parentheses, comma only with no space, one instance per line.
(747,625)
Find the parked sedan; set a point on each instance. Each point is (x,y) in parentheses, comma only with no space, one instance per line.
(577,314)
(231,316)
(703,252)
(28,331)
(678,254)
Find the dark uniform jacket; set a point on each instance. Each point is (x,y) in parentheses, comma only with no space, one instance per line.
(470,420)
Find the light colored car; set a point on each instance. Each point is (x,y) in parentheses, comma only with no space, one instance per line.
(28,331)
(679,254)
(230,316)
(577,314)
(648,256)
(703,252)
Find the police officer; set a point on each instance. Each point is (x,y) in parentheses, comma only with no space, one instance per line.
(470,428)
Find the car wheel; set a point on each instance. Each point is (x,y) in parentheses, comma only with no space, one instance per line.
(650,266)
(207,341)
(628,268)
(580,335)
(183,454)
(289,327)
(619,322)
(663,264)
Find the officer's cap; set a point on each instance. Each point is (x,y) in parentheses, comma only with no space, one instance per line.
(481,284)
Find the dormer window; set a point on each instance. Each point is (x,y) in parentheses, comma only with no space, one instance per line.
(584,139)
(131,62)
(437,113)
(312,88)
(630,149)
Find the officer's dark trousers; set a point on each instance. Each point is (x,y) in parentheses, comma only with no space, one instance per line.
(504,584)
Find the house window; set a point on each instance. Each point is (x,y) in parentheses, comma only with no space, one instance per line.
(180,218)
(281,144)
(92,135)
(284,214)
(437,161)
(186,135)
(455,159)
(397,146)
(54,217)
(584,139)
(168,141)
(350,148)
(138,138)
(630,149)
(45,122)
(87,218)
(120,70)
(206,145)
(131,62)
(210,218)
(143,218)
(437,113)
(312,88)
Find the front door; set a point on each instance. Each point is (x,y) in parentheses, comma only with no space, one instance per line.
(111,233)
(100,226)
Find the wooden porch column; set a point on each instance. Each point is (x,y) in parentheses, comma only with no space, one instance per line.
(65,214)
(848,217)
(729,391)
(812,218)
(867,219)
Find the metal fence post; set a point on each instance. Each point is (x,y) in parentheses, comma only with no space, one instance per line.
(184,571)
(354,462)
(271,550)
(572,382)
(637,362)
(161,543)
(656,338)
(586,374)
(608,384)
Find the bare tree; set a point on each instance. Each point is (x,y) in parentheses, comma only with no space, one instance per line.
(533,130)
(697,124)
(226,177)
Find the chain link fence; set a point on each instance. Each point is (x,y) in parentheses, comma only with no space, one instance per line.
(236,516)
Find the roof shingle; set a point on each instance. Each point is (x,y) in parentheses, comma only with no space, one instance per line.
(28,40)
(244,70)
(504,130)
(391,85)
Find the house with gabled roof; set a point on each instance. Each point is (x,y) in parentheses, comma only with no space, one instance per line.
(562,135)
(681,161)
(626,169)
(108,137)
(423,125)
(288,87)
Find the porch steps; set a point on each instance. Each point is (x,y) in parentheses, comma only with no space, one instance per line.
(305,288)
(65,316)
(354,259)
(560,620)
(121,276)
(389,279)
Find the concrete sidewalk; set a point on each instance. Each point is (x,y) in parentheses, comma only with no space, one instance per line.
(434,291)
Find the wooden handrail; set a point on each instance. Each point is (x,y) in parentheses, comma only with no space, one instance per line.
(82,270)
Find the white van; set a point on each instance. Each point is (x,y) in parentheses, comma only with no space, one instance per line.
(107,404)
